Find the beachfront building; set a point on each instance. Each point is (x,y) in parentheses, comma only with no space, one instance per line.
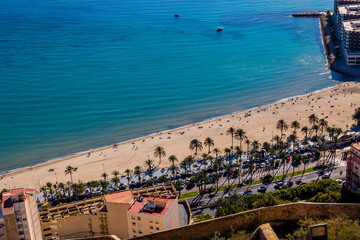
(352,167)
(347,27)
(21,215)
(108,215)
(150,214)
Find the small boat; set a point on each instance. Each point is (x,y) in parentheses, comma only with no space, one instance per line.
(176,15)
(219,29)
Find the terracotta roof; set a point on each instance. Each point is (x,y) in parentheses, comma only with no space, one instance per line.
(6,197)
(120,197)
(138,206)
(356,146)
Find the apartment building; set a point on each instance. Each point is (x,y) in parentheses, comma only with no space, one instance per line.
(108,214)
(150,214)
(352,167)
(21,215)
(346,19)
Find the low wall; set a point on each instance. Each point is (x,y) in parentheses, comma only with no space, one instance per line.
(253,218)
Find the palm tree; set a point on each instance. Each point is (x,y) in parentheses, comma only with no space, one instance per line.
(115,173)
(292,138)
(137,172)
(128,174)
(316,129)
(313,119)
(295,125)
(209,142)
(281,125)
(231,132)
(195,144)
(247,141)
(227,151)
(149,163)
(115,180)
(189,160)
(323,124)
(305,130)
(69,170)
(266,146)
(173,159)
(172,168)
(217,152)
(238,151)
(104,175)
(184,165)
(277,139)
(255,145)
(159,152)
(240,135)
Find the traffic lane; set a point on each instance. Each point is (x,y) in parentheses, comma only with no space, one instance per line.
(306,178)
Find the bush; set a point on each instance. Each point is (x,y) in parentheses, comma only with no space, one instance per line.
(326,190)
(235,235)
(202,217)
(340,227)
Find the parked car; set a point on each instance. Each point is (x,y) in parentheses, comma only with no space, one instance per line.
(262,189)
(247,192)
(326,175)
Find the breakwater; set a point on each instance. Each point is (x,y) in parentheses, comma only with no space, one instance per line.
(313,14)
(329,40)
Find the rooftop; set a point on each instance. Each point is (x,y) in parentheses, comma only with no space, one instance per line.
(152,205)
(356,146)
(15,195)
(353,9)
(352,25)
(120,197)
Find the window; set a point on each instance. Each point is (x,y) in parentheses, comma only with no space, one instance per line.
(134,224)
(24,219)
(139,218)
(140,232)
(139,225)
(47,235)
(151,227)
(21,232)
(134,231)
(157,229)
(133,217)
(156,222)
(47,229)
(150,220)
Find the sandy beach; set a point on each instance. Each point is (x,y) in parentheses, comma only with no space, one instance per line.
(335,104)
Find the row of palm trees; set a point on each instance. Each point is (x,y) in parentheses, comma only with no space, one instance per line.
(318,127)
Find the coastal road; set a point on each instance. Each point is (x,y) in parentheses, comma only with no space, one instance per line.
(208,199)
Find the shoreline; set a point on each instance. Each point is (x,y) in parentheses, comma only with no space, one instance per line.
(97,149)
(128,157)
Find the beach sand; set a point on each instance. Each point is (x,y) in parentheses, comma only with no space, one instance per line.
(335,104)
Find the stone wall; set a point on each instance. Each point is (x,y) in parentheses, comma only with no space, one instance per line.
(253,218)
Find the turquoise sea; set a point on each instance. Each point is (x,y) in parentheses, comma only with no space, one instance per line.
(79,74)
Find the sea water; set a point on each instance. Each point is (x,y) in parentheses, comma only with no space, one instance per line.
(79,74)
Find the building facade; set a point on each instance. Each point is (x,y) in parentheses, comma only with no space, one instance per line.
(352,167)
(150,214)
(346,18)
(108,215)
(21,215)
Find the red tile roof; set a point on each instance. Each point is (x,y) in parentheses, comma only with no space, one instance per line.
(356,146)
(138,206)
(120,197)
(6,198)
